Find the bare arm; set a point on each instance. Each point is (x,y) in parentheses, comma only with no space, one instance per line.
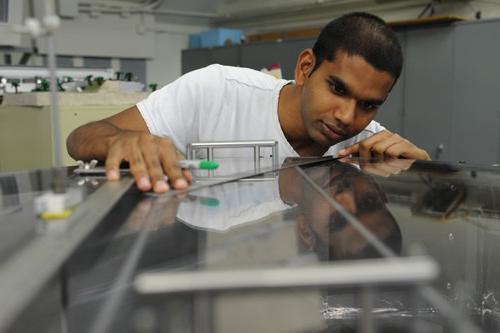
(125,137)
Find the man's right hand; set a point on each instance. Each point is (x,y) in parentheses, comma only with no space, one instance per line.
(125,137)
(150,158)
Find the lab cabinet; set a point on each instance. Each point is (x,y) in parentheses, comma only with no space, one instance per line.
(26,136)
(476,105)
(391,113)
(285,53)
(445,100)
(428,89)
(196,58)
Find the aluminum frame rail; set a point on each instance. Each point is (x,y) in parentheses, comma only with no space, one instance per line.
(376,272)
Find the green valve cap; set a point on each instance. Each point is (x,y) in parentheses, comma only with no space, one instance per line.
(208,165)
(211,202)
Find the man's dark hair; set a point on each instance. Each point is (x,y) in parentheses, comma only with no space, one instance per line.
(361,34)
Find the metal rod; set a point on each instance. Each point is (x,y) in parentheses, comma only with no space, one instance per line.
(55,114)
(276,160)
(366,320)
(233,144)
(256,158)
(255,144)
(359,272)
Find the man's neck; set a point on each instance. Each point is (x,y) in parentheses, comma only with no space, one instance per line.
(292,123)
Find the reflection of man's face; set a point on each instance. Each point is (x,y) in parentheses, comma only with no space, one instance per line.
(360,196)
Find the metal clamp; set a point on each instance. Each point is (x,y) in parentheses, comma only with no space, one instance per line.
(209,147)
(89,168)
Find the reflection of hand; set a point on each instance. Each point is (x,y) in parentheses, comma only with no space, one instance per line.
(151,213)
(387,167)
(385,144)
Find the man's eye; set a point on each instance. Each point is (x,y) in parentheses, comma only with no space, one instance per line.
(337,88)
(367,105)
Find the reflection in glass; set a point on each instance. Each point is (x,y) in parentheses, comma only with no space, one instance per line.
(325,230)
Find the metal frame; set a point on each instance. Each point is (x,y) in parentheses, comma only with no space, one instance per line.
(209,147)
(411,270)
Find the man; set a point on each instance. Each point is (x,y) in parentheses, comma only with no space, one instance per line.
(329,108)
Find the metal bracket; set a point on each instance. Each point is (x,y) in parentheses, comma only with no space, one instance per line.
(209,147)
(89,169)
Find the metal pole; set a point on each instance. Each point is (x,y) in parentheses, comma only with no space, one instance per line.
(55,114)
(367,299)
(51,57)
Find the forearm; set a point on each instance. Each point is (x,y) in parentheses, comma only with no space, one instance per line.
(91,141)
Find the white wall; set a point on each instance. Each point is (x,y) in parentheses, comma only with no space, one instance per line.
(107,35)
(170,40)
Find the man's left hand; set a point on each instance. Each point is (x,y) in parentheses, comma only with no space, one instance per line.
(385,144)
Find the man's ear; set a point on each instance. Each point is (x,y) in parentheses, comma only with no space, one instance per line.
(305,65)
(306,238)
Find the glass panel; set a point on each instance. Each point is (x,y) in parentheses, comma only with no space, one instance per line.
(274,220)
(277,220)
(449,212)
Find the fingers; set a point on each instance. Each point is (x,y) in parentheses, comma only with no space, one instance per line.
(381,147)
(150,158)
(113,160)
(155,172)
(364,148)
(385,144)
(349,150)
(138,169)
(187,175)
(169,160)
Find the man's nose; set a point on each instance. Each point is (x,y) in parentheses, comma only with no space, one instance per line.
(346,113)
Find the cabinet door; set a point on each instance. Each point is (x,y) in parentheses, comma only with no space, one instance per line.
(476,114)
(390,114)
(195,58)
(428,90)
(285,53)
(228,55)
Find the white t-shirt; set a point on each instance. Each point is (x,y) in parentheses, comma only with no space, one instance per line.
(223,103)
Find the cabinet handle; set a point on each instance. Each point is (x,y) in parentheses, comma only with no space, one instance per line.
(438,151)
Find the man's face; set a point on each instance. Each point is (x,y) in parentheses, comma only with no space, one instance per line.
(361,199)
(321,226)
(341,97)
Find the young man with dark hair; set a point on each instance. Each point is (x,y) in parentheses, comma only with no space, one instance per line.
(328,109)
